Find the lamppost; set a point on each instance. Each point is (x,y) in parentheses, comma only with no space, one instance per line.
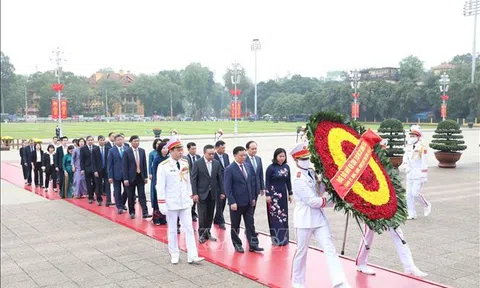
(256,46)
(57,59)
(355,83)
(470,8)
(444,82)
(235,80)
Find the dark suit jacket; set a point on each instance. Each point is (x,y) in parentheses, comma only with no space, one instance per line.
(108,144)
(46,161)
(226,160)
(189,159)
(28,154)
(97,158)
(115,164)
(23,158)
(260,184)
(86,163)
(59,158)
(202,182)
(33,156)
(238,189)
(130,167)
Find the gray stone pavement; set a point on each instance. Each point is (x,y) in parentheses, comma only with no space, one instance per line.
(56,244)
(445,244)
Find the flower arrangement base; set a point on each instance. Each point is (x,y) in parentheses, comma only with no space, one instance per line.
(396,161)
(157,132)
(4,148)
(447,159)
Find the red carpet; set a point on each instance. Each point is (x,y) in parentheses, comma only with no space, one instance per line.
(270,268)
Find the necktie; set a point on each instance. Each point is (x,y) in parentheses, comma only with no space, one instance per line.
(221,160)
(193,160)
(137,161)
(121,152)
(103,157)
(243,171)
(178,165)
(209,168)
(254,163)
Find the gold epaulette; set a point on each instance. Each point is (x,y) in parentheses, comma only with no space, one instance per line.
(164,162)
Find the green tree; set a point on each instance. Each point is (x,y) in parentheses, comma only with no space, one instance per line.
(7,80)
(411,68)
(196,85)
(111,89)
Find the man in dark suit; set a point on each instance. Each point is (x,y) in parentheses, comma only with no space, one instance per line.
(240,182)
(125,143)
(61,151)
(191,157)
(207,182)
(221,157)
(135,176)
(111,140)
(100,172)
(28,154)
(256,163)
(115,173)
(86,167)
(24,160)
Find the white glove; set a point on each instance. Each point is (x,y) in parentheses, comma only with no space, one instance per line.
(402,168)
(163,208)
(384,142)
(424,180)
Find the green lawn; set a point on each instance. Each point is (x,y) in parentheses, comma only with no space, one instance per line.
(82,129)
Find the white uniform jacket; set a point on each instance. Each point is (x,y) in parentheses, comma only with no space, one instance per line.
(415,161)
(173,185)
(308,212)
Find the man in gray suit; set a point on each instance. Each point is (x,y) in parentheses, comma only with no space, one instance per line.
(207,182)
(257,165)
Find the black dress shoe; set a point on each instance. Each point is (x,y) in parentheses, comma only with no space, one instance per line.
(120,211)
(222,226)
(239,249)
(132,216)
(90,201)
(202,240)
(194,218)
(145,216)
(178,230)
(255,249)
(124,207)
(211,238)
(99,203)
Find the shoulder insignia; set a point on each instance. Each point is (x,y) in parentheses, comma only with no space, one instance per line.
(184,160)
(164,162)
(299,174)
(424,151)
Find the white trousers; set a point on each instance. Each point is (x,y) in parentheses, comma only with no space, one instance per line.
(185,216)
(413,194)
(323,236)
(403,250)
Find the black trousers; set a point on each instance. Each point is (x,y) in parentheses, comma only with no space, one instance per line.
(90,179)
(138,184)
(120,198)
(235,217)
(51,173)
(29,169)
(219,208)
(194,213)
(38,173)
(100,185)
(61,177)
(25,171)
(206,212)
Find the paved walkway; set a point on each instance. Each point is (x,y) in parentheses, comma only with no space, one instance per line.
(56,244)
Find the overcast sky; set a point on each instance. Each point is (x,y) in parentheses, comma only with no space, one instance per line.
(298,37)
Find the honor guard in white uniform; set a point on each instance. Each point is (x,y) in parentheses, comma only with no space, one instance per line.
(175,200)
(218,135)
(415,165)
(302,135)
(309,219)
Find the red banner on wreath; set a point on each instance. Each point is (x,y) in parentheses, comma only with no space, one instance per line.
(235,113)
(356,163)
(355,110)
(63,109)
(443,111)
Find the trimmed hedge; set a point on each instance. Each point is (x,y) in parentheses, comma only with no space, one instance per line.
(447,137)
(392,129)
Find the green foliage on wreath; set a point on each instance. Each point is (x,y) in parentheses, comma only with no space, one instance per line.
(378,225)
(448,137)
(392,129)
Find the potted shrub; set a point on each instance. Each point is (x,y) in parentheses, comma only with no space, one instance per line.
(448,141)
(157,132)
(393,131)
(6,143)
